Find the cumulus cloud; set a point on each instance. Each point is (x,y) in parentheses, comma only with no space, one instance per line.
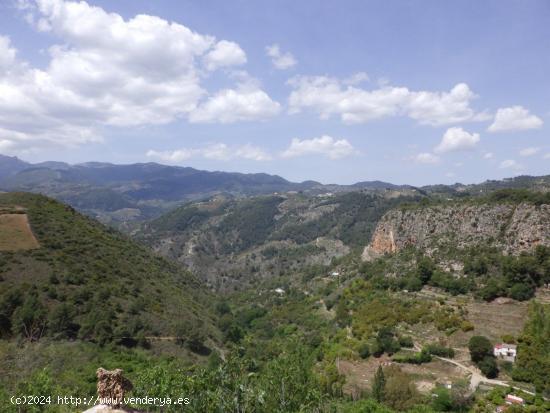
(224,54)
(510,164)
(426,158)
(529,151)
(324,145)
(329,96)
(246,102)
(457,139)
(215,151)
(488,155)
(108,71)
(513,119)
(281,61)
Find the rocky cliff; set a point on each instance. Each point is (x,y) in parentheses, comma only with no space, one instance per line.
(512,227)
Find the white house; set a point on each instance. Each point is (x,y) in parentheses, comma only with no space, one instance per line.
(511,399)
(506,351)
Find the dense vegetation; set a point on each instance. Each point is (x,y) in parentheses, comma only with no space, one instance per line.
(91,283)
(533,362)
(488,273)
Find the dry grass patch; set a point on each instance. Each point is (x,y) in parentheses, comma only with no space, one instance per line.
(15,232)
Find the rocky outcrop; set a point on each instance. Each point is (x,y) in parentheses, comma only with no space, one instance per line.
(112,386)
(513,228)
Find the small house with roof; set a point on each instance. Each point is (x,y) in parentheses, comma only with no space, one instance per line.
(505,351)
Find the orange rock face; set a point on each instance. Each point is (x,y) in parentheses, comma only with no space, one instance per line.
(383,242)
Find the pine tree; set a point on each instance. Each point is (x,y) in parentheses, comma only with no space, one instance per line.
(379,384)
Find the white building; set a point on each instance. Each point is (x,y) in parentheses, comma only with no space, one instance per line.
(511,399)
(505,351)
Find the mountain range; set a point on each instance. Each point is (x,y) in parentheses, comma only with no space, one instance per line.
(121,195)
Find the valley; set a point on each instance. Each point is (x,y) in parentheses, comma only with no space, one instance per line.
(228,298)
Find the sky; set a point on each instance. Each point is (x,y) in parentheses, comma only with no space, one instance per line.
(410,92)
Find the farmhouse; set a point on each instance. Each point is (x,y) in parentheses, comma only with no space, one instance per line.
(505,351)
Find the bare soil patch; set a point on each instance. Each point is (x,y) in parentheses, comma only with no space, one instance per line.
(360,373)
(15,233)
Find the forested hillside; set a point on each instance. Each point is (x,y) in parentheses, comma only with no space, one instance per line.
(233,242)
(83,287)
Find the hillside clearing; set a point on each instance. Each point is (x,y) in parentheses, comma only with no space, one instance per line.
(15,233)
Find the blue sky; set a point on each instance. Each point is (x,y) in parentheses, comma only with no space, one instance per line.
(411,92)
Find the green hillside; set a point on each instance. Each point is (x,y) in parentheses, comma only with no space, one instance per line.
(89,284)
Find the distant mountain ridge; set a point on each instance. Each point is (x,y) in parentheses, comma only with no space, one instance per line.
(123,194)
(118,193)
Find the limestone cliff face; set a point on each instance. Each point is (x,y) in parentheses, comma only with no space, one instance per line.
(513,228)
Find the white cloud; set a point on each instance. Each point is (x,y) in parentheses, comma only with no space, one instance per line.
(281,61)
(457,139)
(252,152)
(324,145)
(546,156)
(7,54)
(513,119)
(175,156)
(488,155)
(108,71)
(215,151)
(426,158)
(224,54)
(329,96)
(529,151)
(356,78)
(246,102)
(510,164)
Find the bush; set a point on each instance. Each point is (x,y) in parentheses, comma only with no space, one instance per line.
(414,358)
(466,326)
(439,350)
(406,341)
(364,351)
(522,292)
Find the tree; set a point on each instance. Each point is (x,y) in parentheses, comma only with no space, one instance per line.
(488,367)
(379,385)
(342,315)
(425,269)
(479,347)
(400,393)
(29,320)
(386,342)
(60,322)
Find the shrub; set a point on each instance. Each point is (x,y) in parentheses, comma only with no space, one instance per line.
(522,292)
(466,326)
(364,351)
(406,341)
(439,350)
